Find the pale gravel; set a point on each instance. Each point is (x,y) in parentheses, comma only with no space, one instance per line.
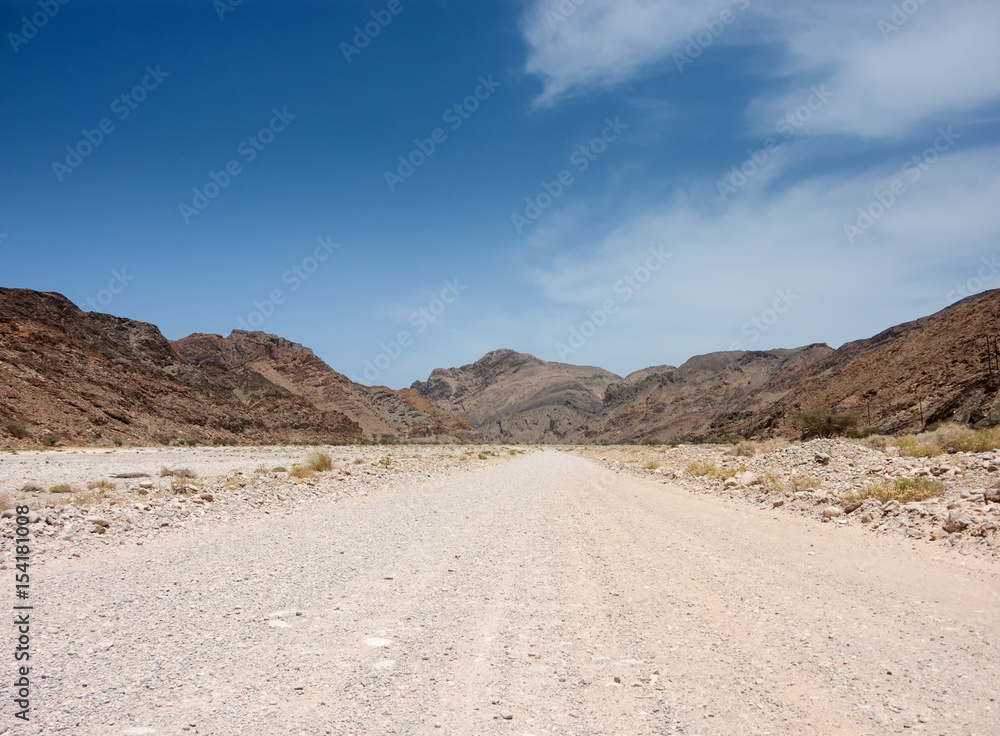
(546,588)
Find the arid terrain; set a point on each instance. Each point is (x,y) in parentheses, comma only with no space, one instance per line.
(507,590)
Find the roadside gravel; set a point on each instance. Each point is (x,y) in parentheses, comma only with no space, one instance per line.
(524,595)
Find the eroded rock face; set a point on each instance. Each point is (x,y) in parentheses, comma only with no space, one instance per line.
(84,378)
(932,364)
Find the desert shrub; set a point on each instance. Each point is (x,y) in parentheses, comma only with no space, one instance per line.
(651,465)
(713,471)
(878,441)
(734,439)
(62,488)
(860,434)
(772,481)
(804,483)
(903,490)
(912,447)
(300,471)
(715,441)
(222,442)
(261,469)
(819,423)
(650,442)
(16,428)
(31,488)
(980,440)
(177,473)
(743,449)
(279,469)
(105,485)
(49,439)
(163,439)
(319,461)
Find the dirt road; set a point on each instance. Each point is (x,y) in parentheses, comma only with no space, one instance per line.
(543,595)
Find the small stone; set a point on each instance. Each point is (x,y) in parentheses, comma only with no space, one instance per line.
(957,521)
(9,514)
(822,458)
(98,520)
(506,715)
(618,679)
(937,534)
(832,512)
(206,497)
(852,507)
(890,506)
(867,516)
(146,484)
(991,495)
(777,503)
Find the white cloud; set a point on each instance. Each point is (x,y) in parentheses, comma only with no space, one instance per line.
(726,261)
(887,75)
(576,44)
(888,72)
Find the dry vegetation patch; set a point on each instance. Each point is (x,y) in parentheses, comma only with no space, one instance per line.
(903,490)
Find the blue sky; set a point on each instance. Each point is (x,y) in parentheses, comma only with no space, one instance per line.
(407,185)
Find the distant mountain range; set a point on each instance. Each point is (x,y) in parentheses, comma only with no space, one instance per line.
(86,378)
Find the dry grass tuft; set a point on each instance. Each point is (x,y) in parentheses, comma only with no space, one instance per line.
(62,488)
(104,485)
(651,465)
(743,449)
(319,461)
(979,440)
(912,447)
(300,471)
(804,483)
(177,473)
(903,490)
(712,471)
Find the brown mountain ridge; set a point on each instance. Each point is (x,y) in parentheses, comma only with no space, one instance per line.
(86,378)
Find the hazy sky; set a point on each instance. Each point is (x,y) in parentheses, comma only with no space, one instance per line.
(403,185)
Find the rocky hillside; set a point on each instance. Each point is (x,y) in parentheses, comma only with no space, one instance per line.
(910,375)
(512,397)
(925,371)
(83,378)
(379,411)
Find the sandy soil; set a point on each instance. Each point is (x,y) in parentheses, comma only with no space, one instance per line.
(542,594)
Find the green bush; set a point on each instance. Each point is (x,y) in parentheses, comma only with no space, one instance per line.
(820,423)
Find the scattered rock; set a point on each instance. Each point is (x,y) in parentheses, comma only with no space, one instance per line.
(957,521)
(832,512)
(822,458)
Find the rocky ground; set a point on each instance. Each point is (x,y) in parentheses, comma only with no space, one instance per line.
(812,479)
(227,484)
(508,595)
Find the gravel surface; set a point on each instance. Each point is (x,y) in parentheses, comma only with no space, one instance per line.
(537,594)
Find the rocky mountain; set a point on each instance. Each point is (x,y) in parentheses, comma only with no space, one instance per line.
(85,378)
(510,396)
(912,374)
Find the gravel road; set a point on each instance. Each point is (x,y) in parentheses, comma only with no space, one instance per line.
(541,595)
